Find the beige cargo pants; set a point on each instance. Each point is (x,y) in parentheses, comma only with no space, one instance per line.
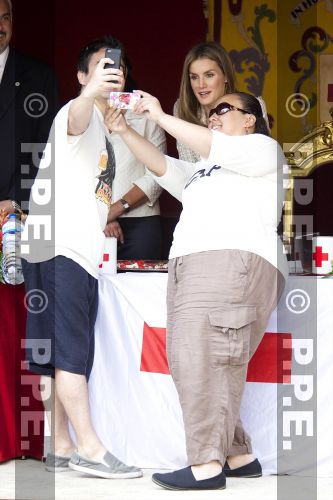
(219,303)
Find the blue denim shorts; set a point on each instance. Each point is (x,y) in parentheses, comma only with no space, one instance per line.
(61,301)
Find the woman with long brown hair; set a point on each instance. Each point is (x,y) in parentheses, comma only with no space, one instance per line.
(207,75)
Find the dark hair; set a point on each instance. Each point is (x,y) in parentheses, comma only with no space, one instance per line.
(110,42)
(253,106)
(189,108)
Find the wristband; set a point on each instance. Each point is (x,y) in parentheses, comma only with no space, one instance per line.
(125,205)
(16,206)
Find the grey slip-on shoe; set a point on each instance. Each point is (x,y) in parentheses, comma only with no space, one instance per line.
(56,463)
(110,467)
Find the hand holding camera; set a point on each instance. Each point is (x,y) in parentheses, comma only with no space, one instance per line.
(124,100)
(115,121)
(149,105)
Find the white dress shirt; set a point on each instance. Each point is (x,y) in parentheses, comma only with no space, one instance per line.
(130,172)
(3,60)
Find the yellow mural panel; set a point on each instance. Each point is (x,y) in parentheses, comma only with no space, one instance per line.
(276,46)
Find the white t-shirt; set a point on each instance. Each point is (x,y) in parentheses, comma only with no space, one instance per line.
(77,212)
(232,200)
(3,60)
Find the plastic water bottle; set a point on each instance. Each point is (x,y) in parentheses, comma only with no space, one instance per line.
(11,242)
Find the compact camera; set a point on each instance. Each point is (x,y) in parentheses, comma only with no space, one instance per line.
(124,100)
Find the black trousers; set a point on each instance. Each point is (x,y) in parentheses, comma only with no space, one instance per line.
(143,238)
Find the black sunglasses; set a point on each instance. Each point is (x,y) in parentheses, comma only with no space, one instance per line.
(223,108)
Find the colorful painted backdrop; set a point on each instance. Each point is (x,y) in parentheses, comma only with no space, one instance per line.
(282,50)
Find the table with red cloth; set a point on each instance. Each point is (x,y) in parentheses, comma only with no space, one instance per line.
(21,423)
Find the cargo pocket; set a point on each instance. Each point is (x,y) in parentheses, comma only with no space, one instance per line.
(232,324)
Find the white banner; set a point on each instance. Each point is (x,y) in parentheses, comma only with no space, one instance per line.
(137,413)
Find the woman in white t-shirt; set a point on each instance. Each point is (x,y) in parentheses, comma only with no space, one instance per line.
(226,272)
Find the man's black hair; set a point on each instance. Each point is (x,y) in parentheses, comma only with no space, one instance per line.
(110,42)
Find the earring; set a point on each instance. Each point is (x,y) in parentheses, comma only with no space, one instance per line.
(246,130)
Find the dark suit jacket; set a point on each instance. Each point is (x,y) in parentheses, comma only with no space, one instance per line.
(28,104)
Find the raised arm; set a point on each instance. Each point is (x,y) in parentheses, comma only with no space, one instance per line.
(97,85)
(184,152)
(172,173)
(196,137)
(144,151)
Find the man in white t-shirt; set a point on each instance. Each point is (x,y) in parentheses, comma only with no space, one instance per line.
(71,199)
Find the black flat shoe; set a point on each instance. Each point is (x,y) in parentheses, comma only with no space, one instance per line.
(253,469)
(183,479)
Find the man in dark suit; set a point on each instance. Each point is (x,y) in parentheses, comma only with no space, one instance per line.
(28,104)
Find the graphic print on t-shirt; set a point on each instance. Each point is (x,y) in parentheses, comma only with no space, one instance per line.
(203,172)
(103,189)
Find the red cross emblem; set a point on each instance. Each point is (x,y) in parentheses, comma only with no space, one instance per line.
(271,363)
(319,256)
(106,258)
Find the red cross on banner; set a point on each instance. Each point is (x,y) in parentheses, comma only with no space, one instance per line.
(270,363)
(106,258)
(318,256)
